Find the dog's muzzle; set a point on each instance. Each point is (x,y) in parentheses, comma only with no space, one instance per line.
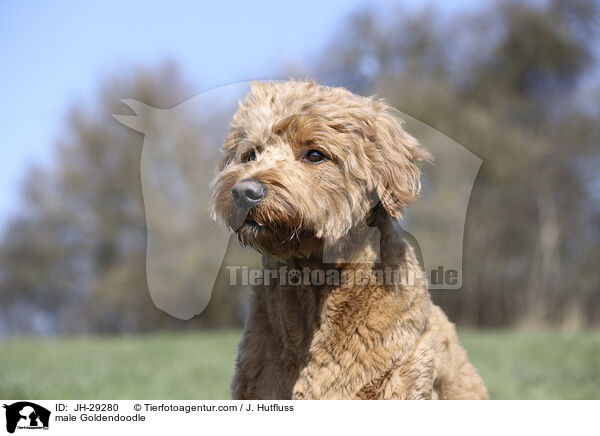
(248,193)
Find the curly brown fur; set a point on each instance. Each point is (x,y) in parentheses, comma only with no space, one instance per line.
(344,340)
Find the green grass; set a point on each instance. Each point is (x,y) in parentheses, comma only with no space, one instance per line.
(514,365)
(544,365)
(161,366)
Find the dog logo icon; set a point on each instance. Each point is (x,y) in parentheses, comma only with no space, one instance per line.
(26,415)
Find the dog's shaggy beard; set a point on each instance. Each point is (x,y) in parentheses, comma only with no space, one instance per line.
(273,231)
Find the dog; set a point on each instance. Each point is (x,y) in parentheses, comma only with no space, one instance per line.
(309,175)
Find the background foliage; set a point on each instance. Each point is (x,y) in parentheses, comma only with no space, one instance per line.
(514,83)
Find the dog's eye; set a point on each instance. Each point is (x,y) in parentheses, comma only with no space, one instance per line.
(315,156)
(249,157)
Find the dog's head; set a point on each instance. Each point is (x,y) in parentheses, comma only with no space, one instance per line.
(304,164)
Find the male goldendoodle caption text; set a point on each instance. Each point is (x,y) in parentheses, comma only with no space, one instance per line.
(139,412)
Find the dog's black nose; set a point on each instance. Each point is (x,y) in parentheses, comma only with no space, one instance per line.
(247,193)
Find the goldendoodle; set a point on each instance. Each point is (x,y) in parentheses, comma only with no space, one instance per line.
(314,178)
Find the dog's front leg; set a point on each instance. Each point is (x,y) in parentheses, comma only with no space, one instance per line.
(324,378)
(249,381)
(396,384)
(400,369)
(244,385)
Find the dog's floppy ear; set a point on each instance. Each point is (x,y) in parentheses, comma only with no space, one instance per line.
(397,174)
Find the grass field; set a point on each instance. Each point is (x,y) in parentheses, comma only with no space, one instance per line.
(514,365)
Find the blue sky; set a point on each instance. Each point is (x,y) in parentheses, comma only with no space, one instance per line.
(55,53)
